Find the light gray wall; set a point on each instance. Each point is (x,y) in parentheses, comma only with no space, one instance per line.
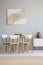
(34,10)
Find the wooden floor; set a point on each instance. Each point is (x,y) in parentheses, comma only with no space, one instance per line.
(21,60)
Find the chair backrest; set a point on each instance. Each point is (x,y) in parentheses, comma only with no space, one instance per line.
(30,36)
(4,38)
(27,37)
(13,38)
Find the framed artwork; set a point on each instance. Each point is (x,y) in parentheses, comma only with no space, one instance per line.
(16,16)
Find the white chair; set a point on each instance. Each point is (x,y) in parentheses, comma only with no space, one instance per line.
(13,42)
(4,41)
(26,43)
(23,43)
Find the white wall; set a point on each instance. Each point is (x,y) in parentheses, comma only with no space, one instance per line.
(34,16)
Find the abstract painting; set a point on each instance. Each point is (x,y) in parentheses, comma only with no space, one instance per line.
(16,16)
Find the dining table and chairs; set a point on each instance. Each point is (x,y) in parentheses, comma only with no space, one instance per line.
(15,43)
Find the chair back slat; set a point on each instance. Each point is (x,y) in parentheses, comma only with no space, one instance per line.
(13,38)
(4,38)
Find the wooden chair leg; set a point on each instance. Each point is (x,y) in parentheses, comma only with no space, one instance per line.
(27,48)
(12,49)
(2,47)
(9,48)
(6,47)
(19,48)
(23,48)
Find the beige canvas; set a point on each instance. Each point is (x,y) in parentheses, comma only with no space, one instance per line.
(16,16)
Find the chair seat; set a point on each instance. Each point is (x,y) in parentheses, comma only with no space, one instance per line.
(15,43)
(25,43)
(6,43)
